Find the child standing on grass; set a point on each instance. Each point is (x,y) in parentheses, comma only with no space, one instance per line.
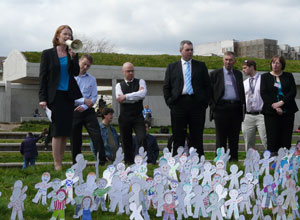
(29,150)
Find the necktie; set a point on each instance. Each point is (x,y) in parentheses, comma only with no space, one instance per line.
(234,83)
(251,85)
(188,81)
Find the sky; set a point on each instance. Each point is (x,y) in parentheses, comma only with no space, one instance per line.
(147,26)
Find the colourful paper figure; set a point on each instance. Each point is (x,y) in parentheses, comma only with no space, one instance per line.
(187,187)
(222,155)
(77,201)
(136,212)
(43,187)
(268,192)
(265,163)
(234,176)
(79,166)
(69,182)
(215,206)
(149,191)
(55,184)
(283,173)
(85,210)
(198,202)
(100,193)
(233,204)
(169,206)
(280,209)
(60,205)
(17,200)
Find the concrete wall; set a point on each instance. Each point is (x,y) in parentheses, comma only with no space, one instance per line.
(19,94)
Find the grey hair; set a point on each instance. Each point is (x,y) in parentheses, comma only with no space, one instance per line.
(182,43)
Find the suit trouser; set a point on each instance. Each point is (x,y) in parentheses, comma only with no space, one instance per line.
(228,119)
(188,113)
(279,131)
(249,126)
(88,119)
(126,125)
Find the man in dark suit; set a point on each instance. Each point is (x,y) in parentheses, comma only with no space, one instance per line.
(187,91)
(227,104)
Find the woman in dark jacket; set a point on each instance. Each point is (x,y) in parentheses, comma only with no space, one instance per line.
(278,91)
(58,89)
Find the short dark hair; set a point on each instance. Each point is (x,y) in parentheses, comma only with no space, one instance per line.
(29,134)
(229,53)
(106,111)
(281,60)
(249,63)
(88,57)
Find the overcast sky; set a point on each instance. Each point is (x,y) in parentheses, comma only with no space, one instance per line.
(147,26)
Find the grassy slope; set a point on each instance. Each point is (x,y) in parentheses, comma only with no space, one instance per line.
(113,59)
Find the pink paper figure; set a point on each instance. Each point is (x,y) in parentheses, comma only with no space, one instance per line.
(265,163)
(233,204)
(79,166)
(158,199)
(55,184)
(77,201)
(215,206)
(222,193)
(198,202)
(85,210)
(209,170)
(234,176)
(180,206)
(69,182)
(100,193)
(43,187)
(17,200)
(187,187)
(268,192)
(280,209)
(206,189)
(60,204)
(136,212)
(169,206)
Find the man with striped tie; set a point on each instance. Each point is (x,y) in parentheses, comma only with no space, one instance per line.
(187,91)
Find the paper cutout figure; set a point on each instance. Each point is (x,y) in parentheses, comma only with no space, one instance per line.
(17,200)
(100,193)
(115,195)
(180,206)
(79,166)
(69,182)
(77,201)
(245,191)
(144,201)
(233,204)
(268,192)
(60,204)
(143,154)
(125,197)
(122,172)
(173,168)
(222,155)
(119,156)
(135,194)
(149,191)
(234,176)
(258,210)
(209,170)
(215,207)
(169,206)
(158,199)
(180,151)
(185,172)
(90,185)
(42,186)
(136,212)
(55,184)
(280,156)
(85,210)
(283,173)
(222,193)
(198,202)
(290,193)
(295,168)
(108,174)
(265,167)
(267,217)
(187,187)
(280,209)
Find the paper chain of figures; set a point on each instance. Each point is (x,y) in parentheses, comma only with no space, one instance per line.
(199,190)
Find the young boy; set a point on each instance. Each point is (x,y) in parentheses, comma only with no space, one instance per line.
(29,150)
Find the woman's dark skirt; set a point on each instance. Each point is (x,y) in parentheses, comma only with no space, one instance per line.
(62,114)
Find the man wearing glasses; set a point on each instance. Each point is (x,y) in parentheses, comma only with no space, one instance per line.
(254,119)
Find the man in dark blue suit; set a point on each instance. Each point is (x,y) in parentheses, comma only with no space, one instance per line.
(187,92)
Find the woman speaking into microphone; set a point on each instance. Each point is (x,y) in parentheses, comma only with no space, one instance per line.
(58,89)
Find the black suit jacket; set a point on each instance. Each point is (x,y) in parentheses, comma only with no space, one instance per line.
(269,93)
(50,75)
(218,87)
(173,83)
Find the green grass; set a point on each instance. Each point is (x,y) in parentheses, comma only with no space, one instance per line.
(114,59)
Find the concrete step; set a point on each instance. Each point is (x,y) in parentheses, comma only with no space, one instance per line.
(86,147)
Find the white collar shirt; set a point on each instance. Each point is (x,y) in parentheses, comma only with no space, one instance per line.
(254,102)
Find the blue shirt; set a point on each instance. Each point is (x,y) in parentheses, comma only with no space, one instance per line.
(88,87)
(64,74)
(229,92)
